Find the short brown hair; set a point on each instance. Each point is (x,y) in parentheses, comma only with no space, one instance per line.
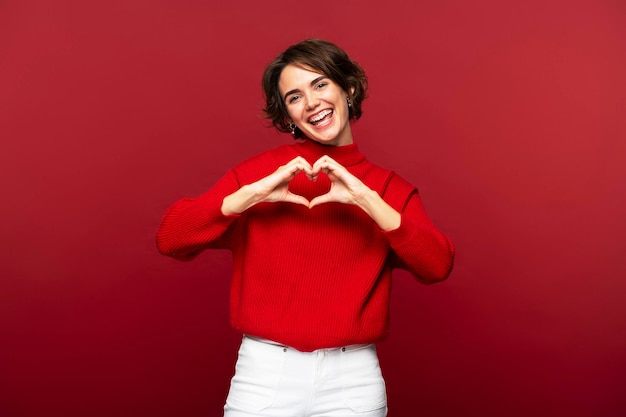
(318,55)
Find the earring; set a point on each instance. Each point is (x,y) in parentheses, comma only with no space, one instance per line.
(292,126)
(348,100)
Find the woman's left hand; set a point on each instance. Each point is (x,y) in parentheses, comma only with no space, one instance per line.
(344,187)
(347,189)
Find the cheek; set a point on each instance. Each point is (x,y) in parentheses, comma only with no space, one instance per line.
(293,111)
(340,101)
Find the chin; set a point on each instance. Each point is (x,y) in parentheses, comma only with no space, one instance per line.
(324,141)
(324,138)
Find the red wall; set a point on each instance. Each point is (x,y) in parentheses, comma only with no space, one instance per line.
(509,116)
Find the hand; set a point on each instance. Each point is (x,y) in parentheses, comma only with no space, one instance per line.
(273,188)
(344,187)
(348,189)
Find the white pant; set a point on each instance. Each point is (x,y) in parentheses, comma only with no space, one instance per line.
(272,380)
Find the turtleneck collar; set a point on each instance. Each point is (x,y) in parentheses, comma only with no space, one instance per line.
(346,155)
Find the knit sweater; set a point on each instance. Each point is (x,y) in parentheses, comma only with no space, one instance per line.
(310,278)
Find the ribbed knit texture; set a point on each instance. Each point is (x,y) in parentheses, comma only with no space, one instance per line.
(310,278)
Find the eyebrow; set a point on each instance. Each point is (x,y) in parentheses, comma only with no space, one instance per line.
(295,90)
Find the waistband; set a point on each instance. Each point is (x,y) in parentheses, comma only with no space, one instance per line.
(346,348)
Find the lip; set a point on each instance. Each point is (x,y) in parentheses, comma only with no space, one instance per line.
(326,112)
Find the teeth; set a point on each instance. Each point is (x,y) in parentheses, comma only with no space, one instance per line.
(320,116)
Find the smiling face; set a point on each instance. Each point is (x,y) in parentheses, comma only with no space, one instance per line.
(316,104)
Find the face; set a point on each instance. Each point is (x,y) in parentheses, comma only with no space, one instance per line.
(316,105)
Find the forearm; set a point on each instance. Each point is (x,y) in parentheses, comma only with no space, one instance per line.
(382,213)
(239,201)
(419,246)
(422,249)
(192,224)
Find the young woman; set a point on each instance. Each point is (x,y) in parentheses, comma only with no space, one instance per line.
(315,230)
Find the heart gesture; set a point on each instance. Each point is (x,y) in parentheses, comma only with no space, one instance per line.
(344,188)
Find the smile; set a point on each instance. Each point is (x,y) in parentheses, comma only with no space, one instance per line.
(319,117)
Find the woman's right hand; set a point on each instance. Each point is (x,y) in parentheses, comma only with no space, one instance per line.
(273,188)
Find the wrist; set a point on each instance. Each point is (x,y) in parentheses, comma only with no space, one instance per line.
(382,213)
(239,201)
(367,200)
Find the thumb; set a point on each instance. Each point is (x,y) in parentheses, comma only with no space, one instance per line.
(296,199)
(322,199)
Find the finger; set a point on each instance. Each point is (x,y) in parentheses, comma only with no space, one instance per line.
(325,159)
(301,159)
(299,167)
(317,164)
(287,172)
(282,175)
(331,160)
(322,199)
(337,172)
(334,172)
(302,163)
(327,164)
(296,199)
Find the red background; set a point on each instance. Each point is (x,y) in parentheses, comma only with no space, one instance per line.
(509,116)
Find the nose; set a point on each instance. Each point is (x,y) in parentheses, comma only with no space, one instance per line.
(311,100)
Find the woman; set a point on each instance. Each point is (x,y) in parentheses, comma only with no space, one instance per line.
(315,230)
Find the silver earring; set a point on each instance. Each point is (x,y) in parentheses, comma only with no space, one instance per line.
(348,100)
(292,126)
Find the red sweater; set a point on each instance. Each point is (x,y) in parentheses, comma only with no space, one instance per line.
(310,278)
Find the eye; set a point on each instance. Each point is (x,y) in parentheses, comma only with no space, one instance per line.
(293,99)
(321,85)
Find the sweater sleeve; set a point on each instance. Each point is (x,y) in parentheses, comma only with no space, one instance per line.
(418,246)
(191,225)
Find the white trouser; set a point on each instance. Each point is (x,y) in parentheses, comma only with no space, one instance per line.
(272,380)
